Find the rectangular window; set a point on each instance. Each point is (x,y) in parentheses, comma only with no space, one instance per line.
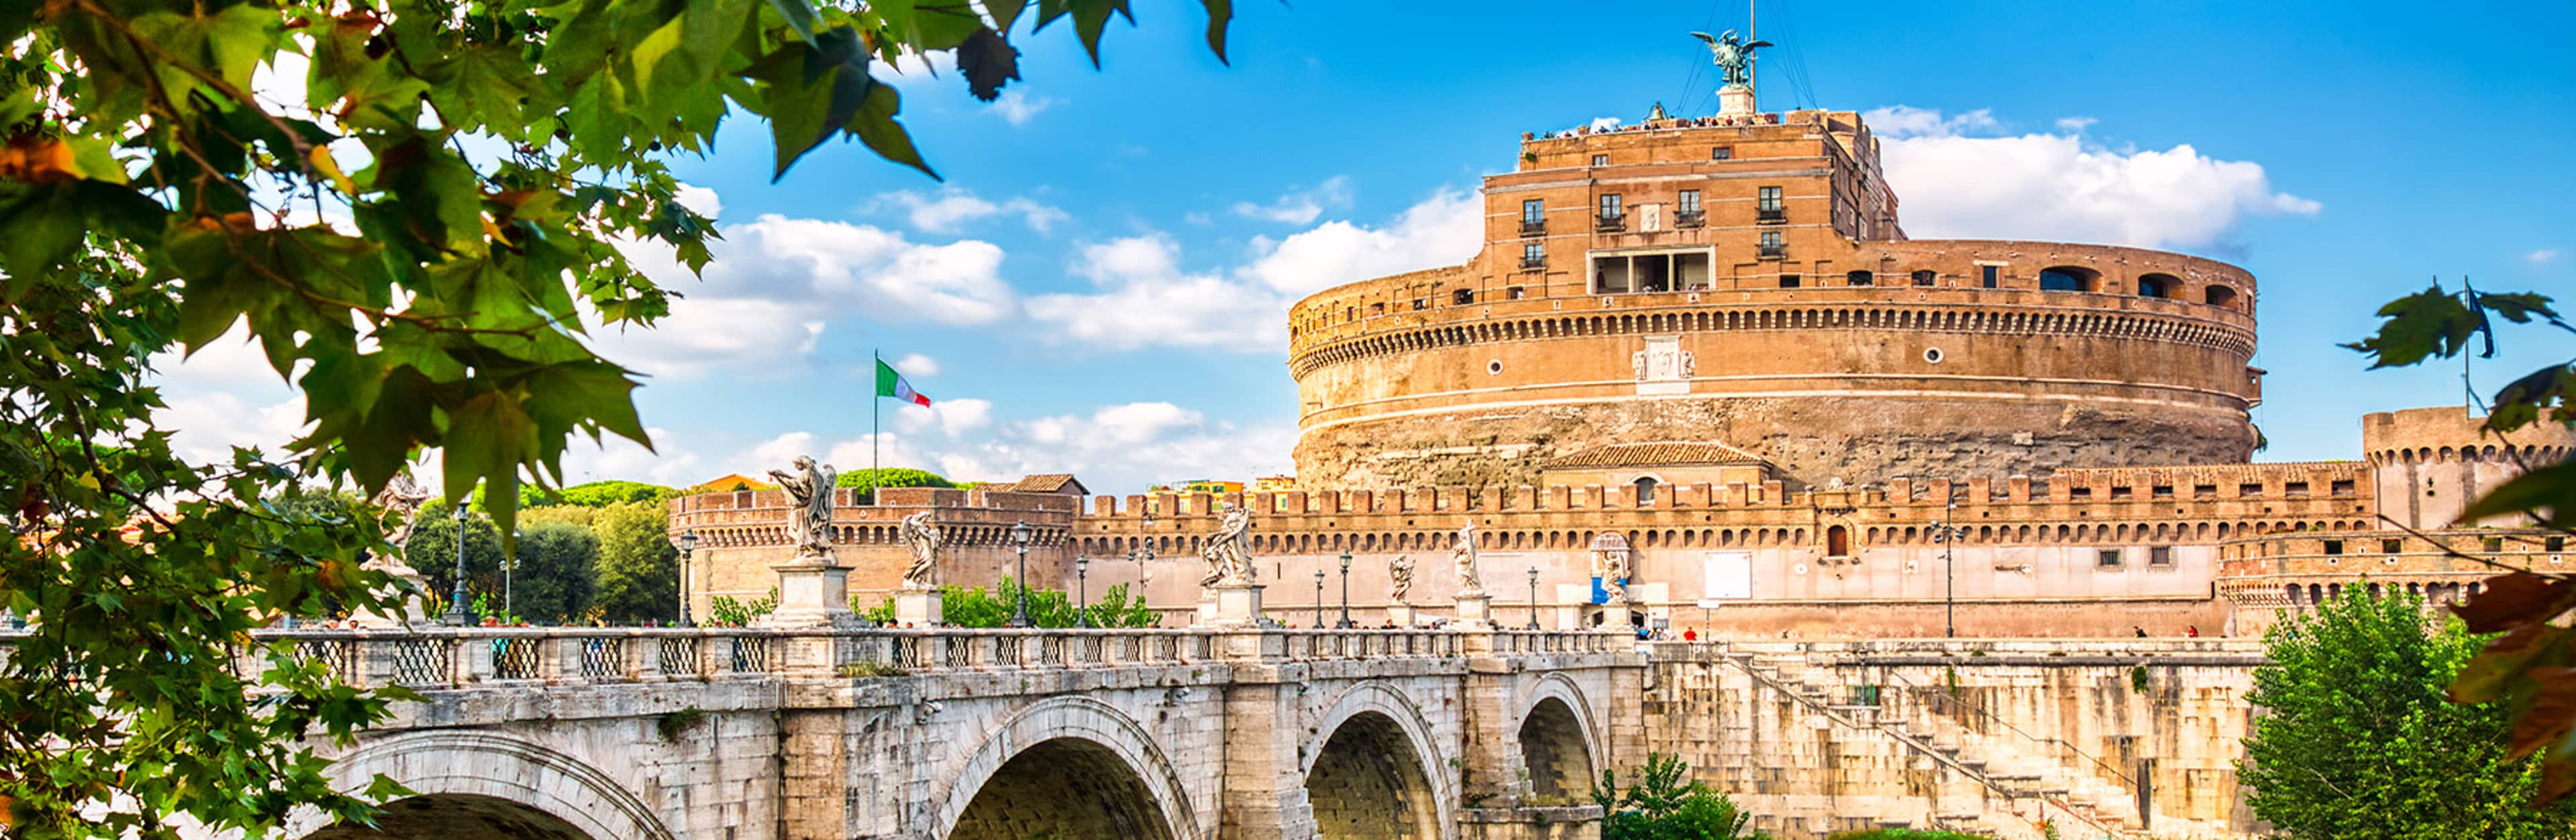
(1722,153)
(1533,255)
(2334,548)
(2204,491)
(2081,494)
(1420,304)
(2553,545)
(1788,281)
(1769,198)
(1533,211)
(2295,489)
(2494,544)
(2342,487)
(1771,247)
(1462,297)
(2119,494)
(2249,490)
(1610,205)
(2391,546)
(1516,293)
(2161,491)
(1601,160)
(2110,558)
(1926,278)
(1690,201)
(2160,556)
(1989,273)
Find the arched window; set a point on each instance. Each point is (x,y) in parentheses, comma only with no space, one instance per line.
(2158,285)
(1646,490)
(1858,278)
(2067,278)
(1837,541)
(1925,277)
(2217,295)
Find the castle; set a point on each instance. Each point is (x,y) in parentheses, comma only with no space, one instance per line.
(1699,378)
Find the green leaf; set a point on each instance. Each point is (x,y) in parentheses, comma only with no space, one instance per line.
(1220,13)
(988,62)
(649,53)
(875,125)
(799,15)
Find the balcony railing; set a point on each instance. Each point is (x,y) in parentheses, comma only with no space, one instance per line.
(1771,215)
(1533,227)
(1533,262)
(1690,218)
(1613,222)
(1773,252)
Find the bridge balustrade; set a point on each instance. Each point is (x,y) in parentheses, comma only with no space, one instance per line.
(446,657)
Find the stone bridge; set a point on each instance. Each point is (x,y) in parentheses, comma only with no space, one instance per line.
(748,734)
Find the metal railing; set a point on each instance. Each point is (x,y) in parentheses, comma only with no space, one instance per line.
(1615,222)
(1533,227)
(1690,218)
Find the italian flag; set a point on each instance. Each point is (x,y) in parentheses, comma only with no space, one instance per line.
(891,384)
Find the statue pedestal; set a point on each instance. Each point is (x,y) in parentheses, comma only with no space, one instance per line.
(1207,607)
(812,592)
(1475,611)
(1236,604)
(414,592)
(1735,101)
(1401,615)
(918,608)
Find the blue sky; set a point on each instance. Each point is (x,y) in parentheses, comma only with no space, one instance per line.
(1097,286)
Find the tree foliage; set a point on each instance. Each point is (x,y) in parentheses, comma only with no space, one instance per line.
(2358,740)
(965,607)
(637,576)
(415,210)
(1665,803)
(2531,666)
(867,481)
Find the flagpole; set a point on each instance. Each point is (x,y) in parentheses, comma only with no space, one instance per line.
(876,433)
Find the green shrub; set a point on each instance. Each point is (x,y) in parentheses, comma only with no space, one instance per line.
(1662,805)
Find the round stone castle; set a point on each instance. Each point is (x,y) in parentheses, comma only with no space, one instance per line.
(1744,282)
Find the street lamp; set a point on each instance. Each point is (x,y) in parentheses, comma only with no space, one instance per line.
(509,566)
(1533,598)
(1948,535)
(456,598)
(1144,551)
(1346,593)
(1020,605)
(688,546)
(1082,591)
(1319,598)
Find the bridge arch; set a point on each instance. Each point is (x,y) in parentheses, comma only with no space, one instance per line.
(1560,747)
(1375,770)
(475,785)
(1128,787)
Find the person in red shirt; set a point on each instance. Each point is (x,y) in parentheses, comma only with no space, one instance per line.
(1690,635)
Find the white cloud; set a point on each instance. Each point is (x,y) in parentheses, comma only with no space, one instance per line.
(917,365)
(776,283)
(2057,187)
(1299,207)
(948,211)
(2075,125)
(205,427)
(230,359)
(1604,123)
(700,200)
(2543,256)
(1017,107)
(1147,300)
(951,417)
(1445,229)
(1910,121)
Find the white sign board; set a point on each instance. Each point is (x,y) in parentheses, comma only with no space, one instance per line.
(1725,576)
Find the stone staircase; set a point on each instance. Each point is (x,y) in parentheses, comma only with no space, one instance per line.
(2023,780)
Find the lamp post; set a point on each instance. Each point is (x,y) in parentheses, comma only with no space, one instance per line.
(509,567)
(456,597)
(1082,591)
(1346,593)
(1020,605)
(1533,573)
(1949,535)
(688,546)
(1319,598)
